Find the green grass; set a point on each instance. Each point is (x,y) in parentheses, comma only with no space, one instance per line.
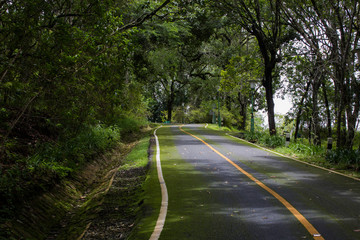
(138,157)
(216,127)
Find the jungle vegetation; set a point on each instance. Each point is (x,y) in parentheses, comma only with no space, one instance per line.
(77,76)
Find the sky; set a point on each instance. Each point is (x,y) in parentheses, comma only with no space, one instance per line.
(282,106)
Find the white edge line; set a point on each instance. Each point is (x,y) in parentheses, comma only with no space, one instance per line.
(206,125)
(297,160)
(164,194)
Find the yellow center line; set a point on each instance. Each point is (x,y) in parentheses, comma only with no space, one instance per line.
(309,227)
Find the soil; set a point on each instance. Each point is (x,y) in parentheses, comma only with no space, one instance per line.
(119,211)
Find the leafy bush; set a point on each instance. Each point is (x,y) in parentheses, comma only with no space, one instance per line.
(179,116)
(65,156)
(51,163)
(272,141)
(306,149)
(347,157)
(252,137)
(198,115)
(129,125)
(264,139)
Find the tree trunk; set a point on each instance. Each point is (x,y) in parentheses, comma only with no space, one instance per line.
(352,117)
(343,102)
(228,102)
(310,130)
(315,114)
(243,111)
(341,128)
(300,110)
(268,84)
(328,115)
(170,102)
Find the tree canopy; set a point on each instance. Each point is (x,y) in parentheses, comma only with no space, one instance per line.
(69,63)
(70,66)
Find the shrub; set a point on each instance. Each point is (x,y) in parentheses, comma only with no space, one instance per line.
(347,157)
(51,163)
(272,141)
(252,137)
(264,139)
(62,158)
(198,115)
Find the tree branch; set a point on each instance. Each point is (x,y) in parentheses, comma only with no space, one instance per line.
(144,17)
(25,107)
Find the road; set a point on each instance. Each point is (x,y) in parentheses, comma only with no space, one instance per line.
(223,188)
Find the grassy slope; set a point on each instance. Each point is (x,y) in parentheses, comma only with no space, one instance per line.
(77,202)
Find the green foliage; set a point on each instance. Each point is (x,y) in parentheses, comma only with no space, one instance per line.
(344,158)
(252,137)
(264,139)
(74,152)
(198,115)
(204,114)
(272,141)
(230,119)
(51,163)
(306,149)
(164,115)
(138,157)
(179,115)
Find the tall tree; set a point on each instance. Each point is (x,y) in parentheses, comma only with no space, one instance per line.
(262,19)
(331,29)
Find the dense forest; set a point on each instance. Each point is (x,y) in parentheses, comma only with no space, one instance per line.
(76,76)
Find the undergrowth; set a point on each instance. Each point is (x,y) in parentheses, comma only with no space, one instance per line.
(26,174)
(344,158)
(138,157)
(264,139)
(340,159)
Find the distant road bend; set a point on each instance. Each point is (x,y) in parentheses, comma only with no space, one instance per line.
(222,188)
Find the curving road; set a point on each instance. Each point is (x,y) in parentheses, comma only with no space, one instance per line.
(222,188)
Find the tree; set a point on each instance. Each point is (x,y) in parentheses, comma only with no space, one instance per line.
(262,19)
(175,59)
(236,79)
(330,29)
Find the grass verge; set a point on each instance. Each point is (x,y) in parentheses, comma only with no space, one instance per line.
(138,157)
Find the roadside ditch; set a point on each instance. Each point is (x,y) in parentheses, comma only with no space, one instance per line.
(103,201)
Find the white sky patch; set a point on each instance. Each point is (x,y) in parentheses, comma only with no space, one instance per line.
(282,106)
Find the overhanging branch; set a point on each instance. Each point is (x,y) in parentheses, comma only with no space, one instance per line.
(144,17)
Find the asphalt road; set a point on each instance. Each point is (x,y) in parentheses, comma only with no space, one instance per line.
(209,198)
